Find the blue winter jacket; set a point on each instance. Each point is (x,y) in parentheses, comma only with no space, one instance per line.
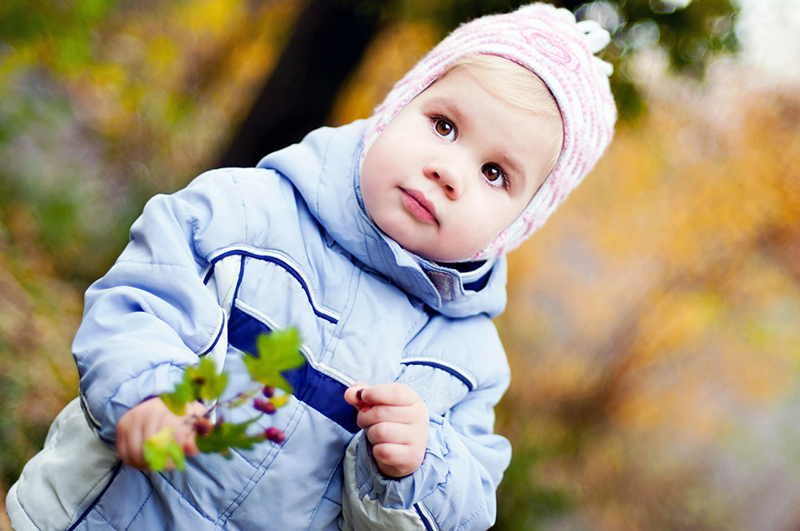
(295,247)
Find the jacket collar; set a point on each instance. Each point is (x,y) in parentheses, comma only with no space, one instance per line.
(325,168)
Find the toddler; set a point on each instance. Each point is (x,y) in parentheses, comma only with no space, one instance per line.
(384,243)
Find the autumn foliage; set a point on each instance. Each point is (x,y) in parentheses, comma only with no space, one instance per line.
(652,324)
(653,331)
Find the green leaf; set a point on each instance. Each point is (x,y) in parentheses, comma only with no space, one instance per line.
(282,348)
(207,383)
(201,381)
(160,448)
(177,400)
(227,435)
(278,351)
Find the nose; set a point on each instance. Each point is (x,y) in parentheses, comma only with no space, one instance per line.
(447,175)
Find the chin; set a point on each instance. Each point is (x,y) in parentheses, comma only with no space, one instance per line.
(443,258)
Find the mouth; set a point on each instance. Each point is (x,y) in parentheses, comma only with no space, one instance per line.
(421,208)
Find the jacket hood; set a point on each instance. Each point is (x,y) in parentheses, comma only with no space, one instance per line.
(324,168)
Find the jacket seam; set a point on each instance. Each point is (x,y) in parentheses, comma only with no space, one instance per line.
(135,376)
(115,472)
(314,361)
(425,515)
(156,313)
(467,379)
(112,473)
(244,459)
(209,347)
(325,490)
(344,318)
(414,328)
(259,471)
(149,495)
(322,165)
(95,424)
(194,221)
(242,261)
(474,515)
(161,264)
(232,177)
(288,264)
(27,515)
(442,485)
(108,523)
(180,495)
(445,452)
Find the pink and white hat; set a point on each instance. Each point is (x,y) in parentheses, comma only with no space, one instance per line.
(549,42)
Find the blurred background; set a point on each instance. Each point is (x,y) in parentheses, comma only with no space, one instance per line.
(652,325)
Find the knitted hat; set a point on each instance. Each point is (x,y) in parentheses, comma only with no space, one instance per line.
(550,43)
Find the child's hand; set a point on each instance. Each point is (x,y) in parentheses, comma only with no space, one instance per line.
(147,419)
(395,420)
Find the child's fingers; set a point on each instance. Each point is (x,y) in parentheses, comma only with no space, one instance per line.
(369,416)
(152,424)
(184,435)
(130,436)
(391,394)
(354,394)
(396,460)
(193,411)
(133,454)
(123,449)
(147,419)
(195,408)
(392,454)
(388,432)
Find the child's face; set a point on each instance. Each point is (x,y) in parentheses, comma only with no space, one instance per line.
(454,168)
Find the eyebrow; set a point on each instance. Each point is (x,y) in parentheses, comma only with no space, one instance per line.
(518,169)
(451,106)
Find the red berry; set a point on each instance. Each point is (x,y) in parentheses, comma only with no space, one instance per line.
(265,406)
(275,435)
(203,426)
(268,391)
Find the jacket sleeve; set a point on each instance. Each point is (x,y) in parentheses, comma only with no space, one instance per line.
(455,488)
(151,315)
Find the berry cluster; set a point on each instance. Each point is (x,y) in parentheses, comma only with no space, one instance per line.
(274,434)
(277,352)
(202,426)
(266,406)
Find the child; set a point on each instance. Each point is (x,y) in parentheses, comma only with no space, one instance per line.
(383,241)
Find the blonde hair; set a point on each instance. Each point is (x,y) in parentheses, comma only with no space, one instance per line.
(516,85)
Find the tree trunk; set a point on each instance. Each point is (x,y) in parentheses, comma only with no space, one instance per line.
(329,39)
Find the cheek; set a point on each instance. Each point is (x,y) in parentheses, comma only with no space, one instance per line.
(367,192)
(374,159)
(476,227)
(373,177)
(488,223)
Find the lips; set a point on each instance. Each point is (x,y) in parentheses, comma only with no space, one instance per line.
(420,207)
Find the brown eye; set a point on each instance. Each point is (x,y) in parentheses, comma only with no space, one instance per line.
(494,175)
(444,128)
